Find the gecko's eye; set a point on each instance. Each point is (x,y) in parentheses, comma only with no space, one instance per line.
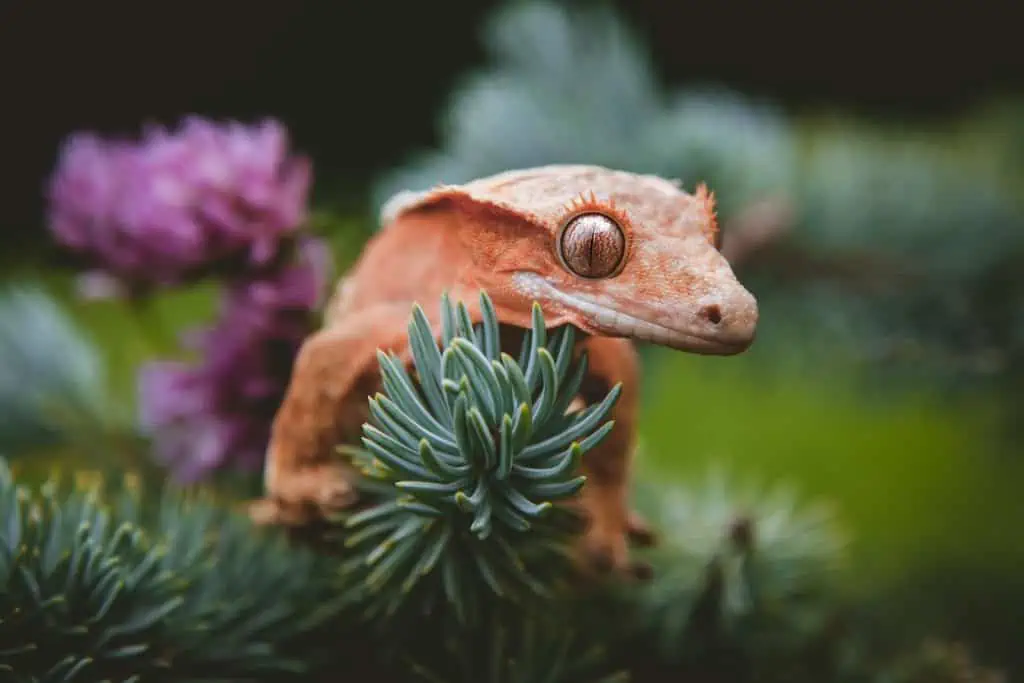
(592,245)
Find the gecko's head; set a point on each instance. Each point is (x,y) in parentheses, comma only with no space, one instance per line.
(614,253)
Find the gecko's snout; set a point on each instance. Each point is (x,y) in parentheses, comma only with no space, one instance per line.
(728,321)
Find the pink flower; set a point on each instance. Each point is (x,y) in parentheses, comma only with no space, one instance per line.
(178,204)
(217,413)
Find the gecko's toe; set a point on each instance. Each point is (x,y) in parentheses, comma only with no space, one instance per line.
(305,496)
(604,561)
(600,560)
(606,554)
(335,492)
(263,512)
(642,571)
(641,533)
(272,511)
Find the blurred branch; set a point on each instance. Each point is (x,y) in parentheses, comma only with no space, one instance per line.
(761,236)
(756,227)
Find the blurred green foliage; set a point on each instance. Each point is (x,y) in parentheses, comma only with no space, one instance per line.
(925,486)
(904,468)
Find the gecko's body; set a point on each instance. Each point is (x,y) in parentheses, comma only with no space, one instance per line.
(620,256)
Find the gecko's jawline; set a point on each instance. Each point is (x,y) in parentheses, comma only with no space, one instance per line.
(605,320)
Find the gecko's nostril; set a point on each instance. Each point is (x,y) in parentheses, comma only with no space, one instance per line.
(712,313)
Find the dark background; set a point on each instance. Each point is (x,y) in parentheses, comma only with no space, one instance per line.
(359,84)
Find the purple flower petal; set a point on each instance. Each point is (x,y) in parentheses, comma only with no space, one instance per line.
(217,413)
(176,203)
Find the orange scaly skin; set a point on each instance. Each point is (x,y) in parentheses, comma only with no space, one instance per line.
(502,234)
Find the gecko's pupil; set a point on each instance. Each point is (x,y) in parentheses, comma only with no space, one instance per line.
(592,245)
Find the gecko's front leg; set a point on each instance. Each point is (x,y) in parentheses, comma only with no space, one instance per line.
(325,406)
(612,524)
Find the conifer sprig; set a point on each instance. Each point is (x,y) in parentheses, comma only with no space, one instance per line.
(107,586)
(479,454)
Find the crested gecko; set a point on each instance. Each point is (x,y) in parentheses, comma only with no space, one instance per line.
(621,256)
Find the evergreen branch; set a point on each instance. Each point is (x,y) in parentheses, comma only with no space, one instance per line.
(103,588)
(742,579)
(517,648)
(756,552)
(479,461)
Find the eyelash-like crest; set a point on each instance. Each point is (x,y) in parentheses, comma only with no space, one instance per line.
(589,203)
(706,199)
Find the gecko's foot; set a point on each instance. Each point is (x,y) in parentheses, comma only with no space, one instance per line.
(604,554)
(304,496)
(609,557)
(606,540)
(331,489)
(641,533)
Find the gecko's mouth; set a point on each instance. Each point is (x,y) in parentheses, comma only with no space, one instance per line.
(599,318)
